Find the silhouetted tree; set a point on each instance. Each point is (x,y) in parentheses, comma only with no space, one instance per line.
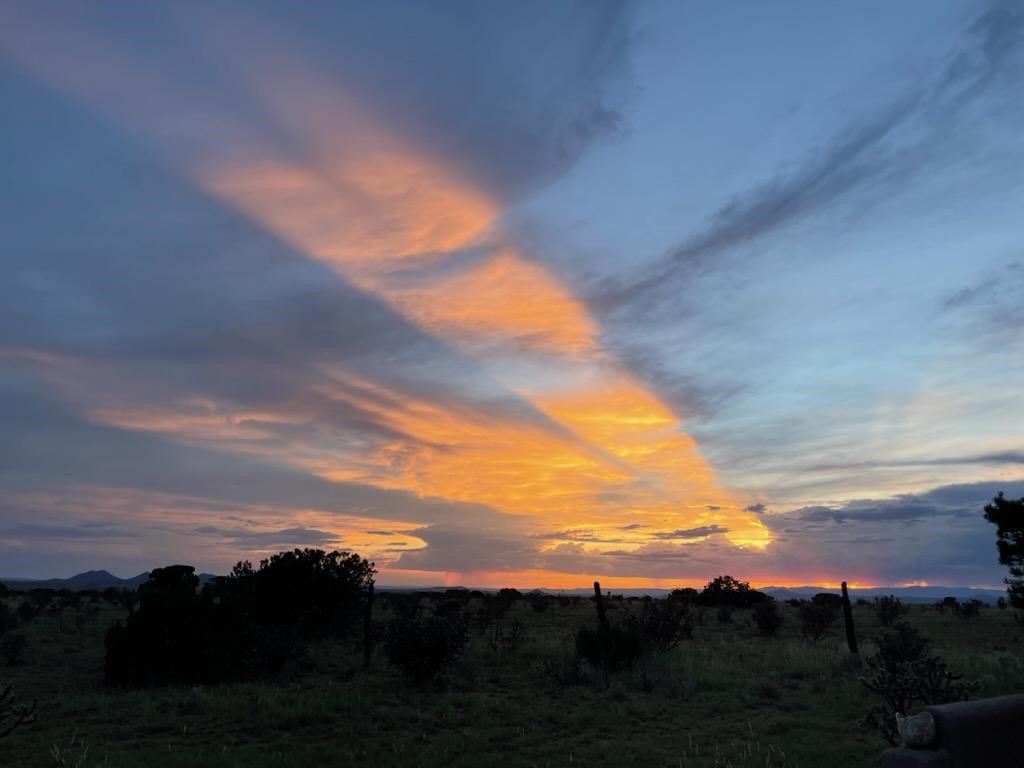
(316,592)
(725,590)
(1008,517)
(178,635)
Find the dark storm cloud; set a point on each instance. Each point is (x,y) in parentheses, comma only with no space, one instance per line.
(963,500)
(873,152)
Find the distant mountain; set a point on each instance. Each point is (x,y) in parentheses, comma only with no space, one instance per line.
(88,580)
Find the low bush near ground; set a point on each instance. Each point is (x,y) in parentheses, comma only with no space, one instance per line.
(422,648)
(608,648)
(767,618)
(816,620)
(906,677)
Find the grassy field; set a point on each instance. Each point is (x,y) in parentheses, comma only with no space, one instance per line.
(728,697)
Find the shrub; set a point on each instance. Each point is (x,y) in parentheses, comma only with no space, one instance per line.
(767,617)
(815,620)
(421,648)
(12,714)
(608,648)
(828,600)
(970,609)
(27,611)
(905,675)
(538,601)
(685,595)
(662,624)
(566,671)
(724,614)
(8,618)
(1001,603)
(12,647)
(889,609)
(174,636)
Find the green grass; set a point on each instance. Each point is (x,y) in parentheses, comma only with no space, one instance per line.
(726,698)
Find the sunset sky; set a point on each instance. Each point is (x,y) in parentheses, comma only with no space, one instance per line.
(523,293)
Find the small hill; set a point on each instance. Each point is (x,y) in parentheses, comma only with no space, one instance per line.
(98,580)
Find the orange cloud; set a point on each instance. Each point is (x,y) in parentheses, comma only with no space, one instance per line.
(409,229)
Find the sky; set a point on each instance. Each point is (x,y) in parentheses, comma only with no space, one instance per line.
(526,294)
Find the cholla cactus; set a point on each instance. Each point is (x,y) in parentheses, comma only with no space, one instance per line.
(13,714)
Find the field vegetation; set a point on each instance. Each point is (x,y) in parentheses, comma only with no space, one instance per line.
(721,677)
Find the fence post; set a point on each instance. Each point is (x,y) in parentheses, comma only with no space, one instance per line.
(851,635)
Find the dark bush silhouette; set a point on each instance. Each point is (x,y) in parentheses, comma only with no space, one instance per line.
(538,601)
(828,600)
(686,595)
(8,618)
(12,714)
(12,647)
(27,611)
(661,624)
(315,592)
(815,620)
(422,648)
(1008,517)
(176,635)
(607,647)
(889,609)
(970,609)
(248,624)
(905,676)
(724,614)
(725,590)
(767,618)
(566,671)
(948,603)
(510,594)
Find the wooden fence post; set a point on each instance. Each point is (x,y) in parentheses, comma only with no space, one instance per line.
(851,635)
